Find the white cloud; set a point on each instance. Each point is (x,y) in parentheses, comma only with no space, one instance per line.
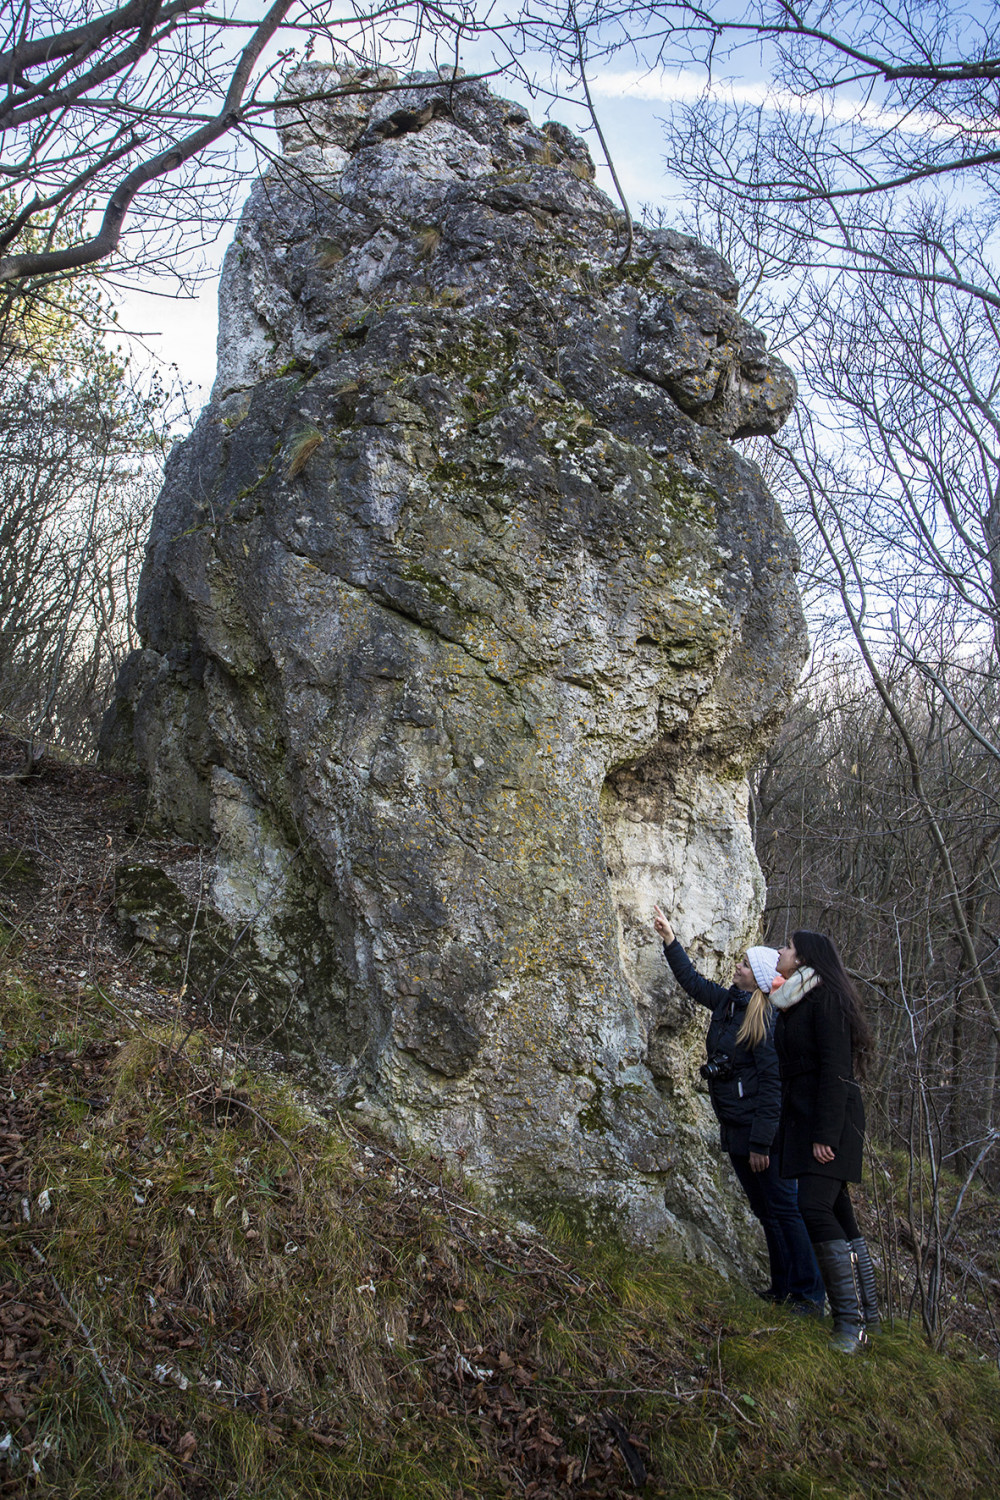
(689,87)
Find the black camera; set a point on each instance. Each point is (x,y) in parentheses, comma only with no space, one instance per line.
(718,1068)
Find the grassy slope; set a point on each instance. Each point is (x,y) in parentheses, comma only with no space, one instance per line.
(230,1296)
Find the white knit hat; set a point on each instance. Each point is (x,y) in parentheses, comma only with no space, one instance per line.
(764,963)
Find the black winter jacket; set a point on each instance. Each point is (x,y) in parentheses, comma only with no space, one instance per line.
(749,1103)
(822,1101)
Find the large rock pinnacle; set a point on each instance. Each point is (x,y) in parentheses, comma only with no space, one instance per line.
(463,623)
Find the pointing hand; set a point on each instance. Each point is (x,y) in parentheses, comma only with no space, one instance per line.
(662,926)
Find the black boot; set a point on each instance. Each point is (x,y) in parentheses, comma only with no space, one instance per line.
(866,1281)
(838,1267)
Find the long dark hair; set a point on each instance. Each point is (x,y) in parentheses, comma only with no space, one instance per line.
(820,953)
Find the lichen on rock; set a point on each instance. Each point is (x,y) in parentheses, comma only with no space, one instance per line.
(463,622)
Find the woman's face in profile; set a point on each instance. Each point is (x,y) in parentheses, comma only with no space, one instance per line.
(788,959)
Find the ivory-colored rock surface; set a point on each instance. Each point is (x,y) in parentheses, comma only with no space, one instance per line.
(463,624)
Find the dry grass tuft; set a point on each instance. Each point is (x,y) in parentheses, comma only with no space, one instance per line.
(545,156)
(301,448)
(427,241)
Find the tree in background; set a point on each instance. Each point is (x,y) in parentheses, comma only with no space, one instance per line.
(846,848)
(81,442)
(856,196)
(863,98)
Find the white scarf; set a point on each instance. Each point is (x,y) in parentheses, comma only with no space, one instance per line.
(795,989)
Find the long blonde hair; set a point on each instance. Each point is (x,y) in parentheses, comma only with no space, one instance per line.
(755,1020)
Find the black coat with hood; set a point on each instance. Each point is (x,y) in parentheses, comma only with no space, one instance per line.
(747,1104)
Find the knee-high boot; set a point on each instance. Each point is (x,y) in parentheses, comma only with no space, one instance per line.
(866,1282)
(838,1267)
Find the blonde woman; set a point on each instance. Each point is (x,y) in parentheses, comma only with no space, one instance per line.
(744,1087)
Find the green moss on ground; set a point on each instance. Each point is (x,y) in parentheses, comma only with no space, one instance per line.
(17,868)
(263,1302)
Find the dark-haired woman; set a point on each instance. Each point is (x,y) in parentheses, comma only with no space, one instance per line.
(742,1075)
(819,1034)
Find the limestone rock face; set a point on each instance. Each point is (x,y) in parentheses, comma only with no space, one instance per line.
(463,622)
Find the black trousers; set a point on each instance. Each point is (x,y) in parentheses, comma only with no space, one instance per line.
(774,1202)
(825,1205)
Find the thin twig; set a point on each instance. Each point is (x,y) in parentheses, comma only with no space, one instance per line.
(581,58)
(219,1096)
(117,1009)
(81,1325)
(242,1104)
